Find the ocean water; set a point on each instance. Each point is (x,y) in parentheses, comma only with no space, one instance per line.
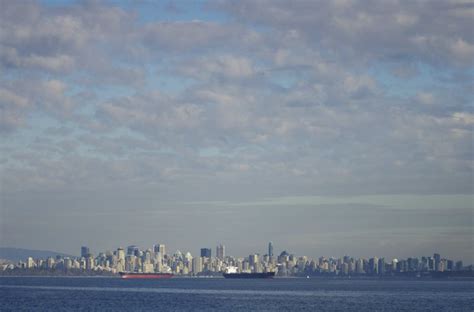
(217,294)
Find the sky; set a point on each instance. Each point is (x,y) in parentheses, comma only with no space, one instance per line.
(328,127)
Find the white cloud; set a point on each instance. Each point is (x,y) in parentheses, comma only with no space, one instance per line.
(102,110)
(12,107)
(464,118)
(10,99)
(219,66)
(410,30)
(425,98)
(287,98)
(59,63)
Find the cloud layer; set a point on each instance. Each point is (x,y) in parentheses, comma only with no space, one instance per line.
(258,99)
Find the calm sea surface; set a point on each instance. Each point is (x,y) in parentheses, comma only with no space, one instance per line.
(216,294)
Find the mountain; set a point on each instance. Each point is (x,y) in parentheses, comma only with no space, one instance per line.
(17,254)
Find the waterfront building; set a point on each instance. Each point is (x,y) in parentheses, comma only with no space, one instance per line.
(394,264)
(197,265)
(89,262)
(345,268)
(50,263)
(147,267)
(68,263)
(360,266)
(437,260)
(373,265)
(30,263)
(381,266)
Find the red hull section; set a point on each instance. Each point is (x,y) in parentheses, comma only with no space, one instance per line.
(145,275)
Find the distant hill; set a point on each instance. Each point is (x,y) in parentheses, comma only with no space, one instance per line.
(17,254)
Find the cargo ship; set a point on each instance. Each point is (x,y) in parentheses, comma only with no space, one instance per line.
(130,275)
(231,272)
(249,275)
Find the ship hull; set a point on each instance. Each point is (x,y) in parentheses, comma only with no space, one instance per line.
(125,275)
(249,275)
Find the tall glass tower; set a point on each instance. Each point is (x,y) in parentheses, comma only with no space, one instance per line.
(85,251)
(220,252)
(270,249)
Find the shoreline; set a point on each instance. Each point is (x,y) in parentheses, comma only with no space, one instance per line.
(321,278)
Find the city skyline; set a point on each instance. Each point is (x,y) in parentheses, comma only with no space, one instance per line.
(157,260)
(209,252)
(328,127)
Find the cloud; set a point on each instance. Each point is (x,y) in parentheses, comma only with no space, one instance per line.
(225,66)
(412,31)
(186,35)
(425,98)
(257,99)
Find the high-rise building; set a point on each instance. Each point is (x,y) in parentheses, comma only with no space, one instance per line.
(360,266)
(121,254)
(345,268)
(381,266)
(431,264)
(30,263)
(133,250)
(270,250)
(50,263)
(437,261)
(89,262)
(449,265)
(206,252)
(394,264)
(67,263)
(253,259)
(220,252)
(373,265)
(84,251)
(197,265)
(159,248)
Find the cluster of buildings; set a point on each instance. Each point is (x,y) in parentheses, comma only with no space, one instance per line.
(156,259)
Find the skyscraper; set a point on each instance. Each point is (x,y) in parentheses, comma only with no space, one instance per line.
(206,252)
(197,265)
(133,250)
(437,261)
(253,259)
(120,254)
(381,266)
(270,250)
(373,265)
(159,248)
(84,251)
(220,252)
